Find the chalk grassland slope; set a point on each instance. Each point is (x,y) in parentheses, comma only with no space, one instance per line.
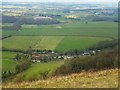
(102,29)
(35,70)
(99,79)
(8,64)
(60,43)
(73,42)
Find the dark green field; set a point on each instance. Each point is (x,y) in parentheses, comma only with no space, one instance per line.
(97,29)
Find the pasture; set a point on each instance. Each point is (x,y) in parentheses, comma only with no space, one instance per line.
(60,43)
(8,64)
(48,42)
(21,42)
(98,29)
(76,42)
(36,70)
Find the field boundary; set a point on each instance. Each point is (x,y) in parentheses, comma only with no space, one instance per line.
(67,35)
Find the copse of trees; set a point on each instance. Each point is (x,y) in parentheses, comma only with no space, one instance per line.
(8,19)
(51,15)
(101,18)
(105,60)
(104,45)
(73,52)
(22,65)
(25,20)
(15,26)
(7,74)
(24,62)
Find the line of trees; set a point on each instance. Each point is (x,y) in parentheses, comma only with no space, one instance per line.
(105,44)
(42,21)
(18,21)
(26,20)
(51,15)
(15,26)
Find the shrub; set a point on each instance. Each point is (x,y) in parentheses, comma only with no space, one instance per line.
(22,65)
(105,60)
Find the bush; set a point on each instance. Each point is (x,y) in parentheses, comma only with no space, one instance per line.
(105,60)
(22,65)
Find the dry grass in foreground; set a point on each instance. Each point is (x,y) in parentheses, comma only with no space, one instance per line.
(99,79)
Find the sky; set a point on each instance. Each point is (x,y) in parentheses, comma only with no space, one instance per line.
(60,0)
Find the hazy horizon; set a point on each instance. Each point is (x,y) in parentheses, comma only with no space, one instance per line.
(60,1)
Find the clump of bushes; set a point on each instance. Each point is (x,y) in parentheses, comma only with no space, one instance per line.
(7,74)
(21,66)
(105,60)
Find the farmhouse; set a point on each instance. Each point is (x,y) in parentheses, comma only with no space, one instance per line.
(86,54)
(39,57)
(42,17)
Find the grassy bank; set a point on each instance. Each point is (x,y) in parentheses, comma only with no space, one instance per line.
(99,79)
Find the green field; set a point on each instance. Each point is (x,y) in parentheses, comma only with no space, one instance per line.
(34,72)
(8,64)
(60,43)
(48,42)
(21,42)
(60,37)
(101,29)
(75,42)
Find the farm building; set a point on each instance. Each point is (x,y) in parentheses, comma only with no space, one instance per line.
(39,57)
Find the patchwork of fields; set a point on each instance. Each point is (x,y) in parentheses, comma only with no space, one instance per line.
(59,43)
(60,37)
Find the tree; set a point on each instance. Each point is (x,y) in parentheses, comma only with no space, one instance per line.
(18,57)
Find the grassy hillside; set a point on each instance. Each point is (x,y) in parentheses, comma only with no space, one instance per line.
(99,79)
(37,71)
